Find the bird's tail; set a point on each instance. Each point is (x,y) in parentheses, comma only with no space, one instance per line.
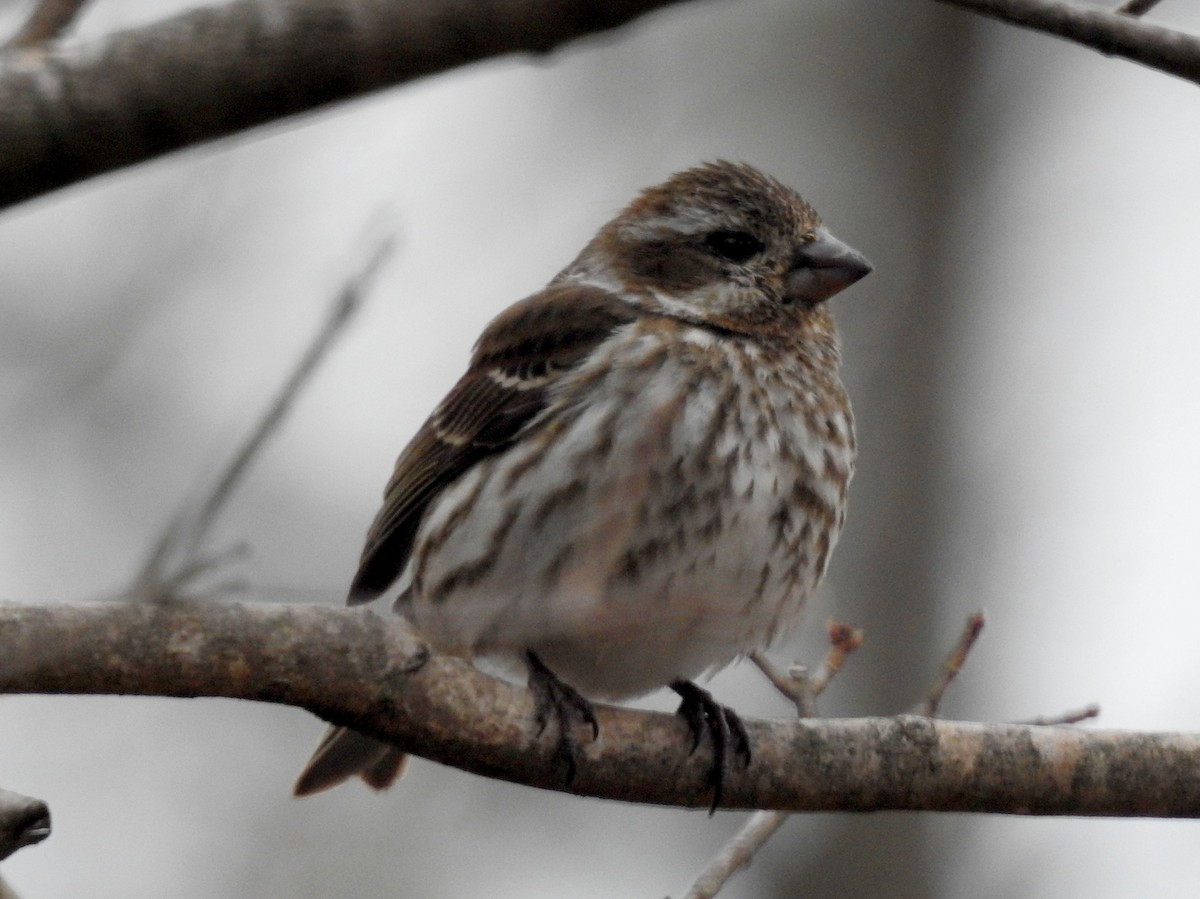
(345,753)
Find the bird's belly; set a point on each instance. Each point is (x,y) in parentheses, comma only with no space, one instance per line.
(650,535)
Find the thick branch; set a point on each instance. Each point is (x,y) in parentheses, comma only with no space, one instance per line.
(1112,34)
(71,113)
(354,668)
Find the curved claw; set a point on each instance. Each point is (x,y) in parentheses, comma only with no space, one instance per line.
(567,705)
(703,713)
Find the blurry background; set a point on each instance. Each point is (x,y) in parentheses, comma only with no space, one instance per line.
(1023,364)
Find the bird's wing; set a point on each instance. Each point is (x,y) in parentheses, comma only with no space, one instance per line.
(516,363)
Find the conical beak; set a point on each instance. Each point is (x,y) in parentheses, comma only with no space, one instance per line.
(821,268)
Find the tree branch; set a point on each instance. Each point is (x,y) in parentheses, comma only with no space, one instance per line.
(353,668)
(49,19)
(1076,716)
(71,113)
(176,559)
(802,689)
(737,853)
(24,821)
(1114,35)
(1136,7)
(953,665)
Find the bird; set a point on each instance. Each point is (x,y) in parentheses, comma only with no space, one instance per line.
(642,473)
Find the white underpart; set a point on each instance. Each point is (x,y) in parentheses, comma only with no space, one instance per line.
(553,577)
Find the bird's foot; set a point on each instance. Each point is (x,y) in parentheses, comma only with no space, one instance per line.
(702,712)
(566,705)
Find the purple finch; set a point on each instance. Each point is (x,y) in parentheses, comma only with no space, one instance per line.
(643,472)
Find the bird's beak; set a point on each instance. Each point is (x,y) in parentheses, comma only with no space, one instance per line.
(821,268)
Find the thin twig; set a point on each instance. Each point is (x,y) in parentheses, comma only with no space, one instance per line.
(1083,714)
(843,640)
(49,20)
(802,689)
(795,684)
(1165,49)
(953,665)
(1136,7)
(176,560)
(735,854)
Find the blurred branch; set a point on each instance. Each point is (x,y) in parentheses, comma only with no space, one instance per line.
(353,668)
(1111,33)
(70,113)
(49,19)
(737,853)
(1136,7)
(24,821)
(176,560)
(953,664)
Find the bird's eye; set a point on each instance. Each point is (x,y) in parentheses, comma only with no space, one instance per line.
(734,246)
